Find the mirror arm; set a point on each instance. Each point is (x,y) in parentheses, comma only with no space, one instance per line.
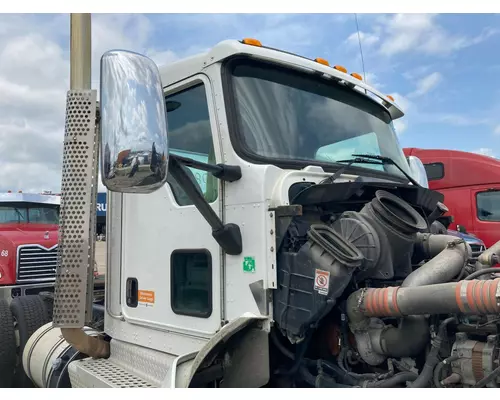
(227,173)
(228,236)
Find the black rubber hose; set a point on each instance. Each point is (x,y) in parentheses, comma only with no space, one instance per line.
(299,356)
(487,379)
(397,341)
(393,381)
(395,212)
(462,274)
(307,376)
(281,347)
(439,369)
(432,358)
(347,377)
(323,381)
(319,381)
(485,271)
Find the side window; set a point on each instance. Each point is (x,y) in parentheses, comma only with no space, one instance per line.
(190,136)
(435,171)
(191,282)
(488,206)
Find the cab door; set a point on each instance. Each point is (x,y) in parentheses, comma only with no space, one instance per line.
(172,264)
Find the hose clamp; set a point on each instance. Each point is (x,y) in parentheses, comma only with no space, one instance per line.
(494,259)
(361,298)
(497,295)
(453,243)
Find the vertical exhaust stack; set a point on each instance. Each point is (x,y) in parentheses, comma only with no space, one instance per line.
(74,281)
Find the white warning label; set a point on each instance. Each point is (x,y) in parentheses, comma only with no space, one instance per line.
(322,281)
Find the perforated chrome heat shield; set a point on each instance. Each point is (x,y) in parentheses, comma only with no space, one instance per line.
(74,279)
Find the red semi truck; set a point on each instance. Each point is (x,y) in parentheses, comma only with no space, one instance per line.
(28,243)
(29,228)
(470,183)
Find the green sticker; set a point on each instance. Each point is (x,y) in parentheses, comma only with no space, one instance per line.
(249,264)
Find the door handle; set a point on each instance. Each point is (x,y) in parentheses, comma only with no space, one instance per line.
(132,292)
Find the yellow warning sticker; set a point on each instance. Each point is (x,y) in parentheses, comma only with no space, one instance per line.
(147,297)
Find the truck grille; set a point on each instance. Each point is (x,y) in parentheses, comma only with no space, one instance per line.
(36,263)
(477,249)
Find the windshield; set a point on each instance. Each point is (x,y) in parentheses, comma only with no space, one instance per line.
(283,116)
(28,214)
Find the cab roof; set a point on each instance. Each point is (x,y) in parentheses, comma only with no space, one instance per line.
(29,198)
(190,66)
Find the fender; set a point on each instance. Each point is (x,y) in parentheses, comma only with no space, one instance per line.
(185,366)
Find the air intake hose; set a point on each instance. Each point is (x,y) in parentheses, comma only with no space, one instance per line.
(385,231)
(330,252)
(448,255)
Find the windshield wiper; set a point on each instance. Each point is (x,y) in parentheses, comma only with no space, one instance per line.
(19,214)
(388,160)
(369,159)
(357,160)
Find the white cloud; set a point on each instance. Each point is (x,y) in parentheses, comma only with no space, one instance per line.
(367,39)
(496,131)
(485,152)
(34,74)
(417,72)
(426,84)
(402,102)
(34,78)
(421,33)
(162,57)
(406,37)
(372,80)
(457,119)
(400,125)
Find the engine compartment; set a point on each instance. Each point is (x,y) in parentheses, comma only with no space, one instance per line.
(368,297)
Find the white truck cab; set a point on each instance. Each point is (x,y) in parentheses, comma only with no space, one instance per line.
(196,218)
(279,118)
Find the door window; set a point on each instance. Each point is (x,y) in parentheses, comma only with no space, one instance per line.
(190,135)
(191,282)
(488,206)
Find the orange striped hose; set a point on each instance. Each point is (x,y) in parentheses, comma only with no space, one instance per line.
(468,296)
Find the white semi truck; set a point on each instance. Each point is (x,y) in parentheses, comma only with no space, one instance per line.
(298,253)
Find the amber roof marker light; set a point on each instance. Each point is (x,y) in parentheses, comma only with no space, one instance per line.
(320,60)
(252,42)
(357,76)
(340,68)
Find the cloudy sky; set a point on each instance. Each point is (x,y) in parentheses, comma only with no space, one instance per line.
(442,69)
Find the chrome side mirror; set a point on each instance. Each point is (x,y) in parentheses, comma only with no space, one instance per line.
(418,172)
(133,124)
